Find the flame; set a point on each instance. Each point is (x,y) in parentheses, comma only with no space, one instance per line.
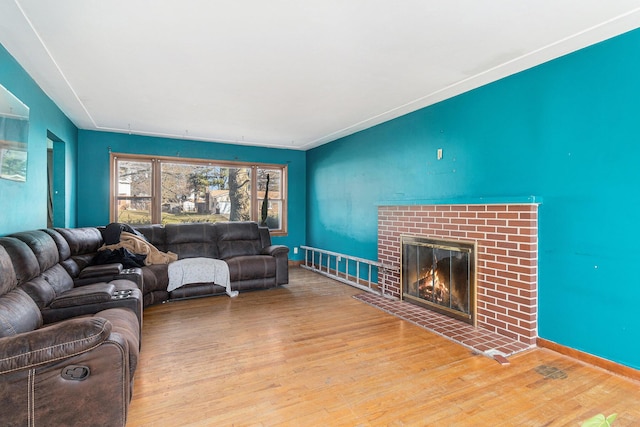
(433,288)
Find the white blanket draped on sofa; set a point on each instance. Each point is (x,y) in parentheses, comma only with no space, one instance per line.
(199,270)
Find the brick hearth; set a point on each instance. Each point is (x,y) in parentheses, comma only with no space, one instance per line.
(507,243)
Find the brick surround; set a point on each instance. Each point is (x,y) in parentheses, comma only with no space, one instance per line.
(507,257)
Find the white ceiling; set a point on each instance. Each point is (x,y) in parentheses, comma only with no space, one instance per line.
(284,73)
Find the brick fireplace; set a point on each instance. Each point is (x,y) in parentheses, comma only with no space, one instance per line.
(507,244)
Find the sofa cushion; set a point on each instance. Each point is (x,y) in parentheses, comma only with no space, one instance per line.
(64,251)
(40,291)
(58,278)
(81,240)
(83,245)
(25,263)
(47,286)
(155,277)
(193,290)
(238,238)
(18,313)
(125,323)
(89,294)
(8,280)
(251,267)
(42,245)
(155,234)
(192,240)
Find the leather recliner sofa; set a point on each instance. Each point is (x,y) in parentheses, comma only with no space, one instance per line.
(77,370)
(254,262)
(70,331)
(43,270)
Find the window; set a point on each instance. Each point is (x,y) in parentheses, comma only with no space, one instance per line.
(134,192)
(151,190)
(275,200)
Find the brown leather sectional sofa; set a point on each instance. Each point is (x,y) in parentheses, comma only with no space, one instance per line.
(254,263)
(70,331)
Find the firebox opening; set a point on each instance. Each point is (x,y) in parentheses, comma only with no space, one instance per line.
(440,275)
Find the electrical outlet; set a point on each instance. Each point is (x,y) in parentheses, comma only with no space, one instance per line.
(339,259)
(295,250)
(439,153)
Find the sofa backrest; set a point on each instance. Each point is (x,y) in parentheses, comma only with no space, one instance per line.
(155,234)
(238,238)
(25,263)
(43,247)
(77,247)
(34,256)
(192,240)
(18,312)
(8,280)
(265,236)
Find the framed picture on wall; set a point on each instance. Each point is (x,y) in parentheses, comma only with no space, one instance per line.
(14,131)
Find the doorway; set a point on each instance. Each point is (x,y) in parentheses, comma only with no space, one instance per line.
(49,183)
(56,182)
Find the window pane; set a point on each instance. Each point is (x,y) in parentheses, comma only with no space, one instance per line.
(274,215)
(184,192)
(274,196)
(135,210)
(204,193)
(134,179)
(239,187)
(134,192)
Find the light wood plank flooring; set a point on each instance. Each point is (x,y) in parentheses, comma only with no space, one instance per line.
(308,354)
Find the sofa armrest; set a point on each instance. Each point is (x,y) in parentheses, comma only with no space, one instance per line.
(101,270)
(89,294)
(134,274)
(52,343)
(275,250)
(281,254)
(98,273)
(76,372)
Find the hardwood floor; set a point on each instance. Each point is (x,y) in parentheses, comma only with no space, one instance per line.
(308,354)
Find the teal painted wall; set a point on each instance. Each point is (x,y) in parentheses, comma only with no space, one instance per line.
(93,199)
(25,203)
(566,132)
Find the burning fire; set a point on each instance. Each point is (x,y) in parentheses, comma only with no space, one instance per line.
(445,285)
(434,288)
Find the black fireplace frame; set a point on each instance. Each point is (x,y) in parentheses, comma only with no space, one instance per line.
(468,247)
